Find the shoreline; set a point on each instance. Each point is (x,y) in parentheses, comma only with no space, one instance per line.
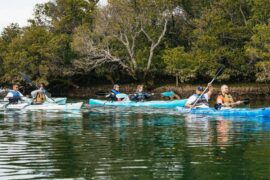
(258,91)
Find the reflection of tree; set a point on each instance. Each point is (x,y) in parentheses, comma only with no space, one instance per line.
(137,145)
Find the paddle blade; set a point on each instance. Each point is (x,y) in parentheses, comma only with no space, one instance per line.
(246,101)
(27,79)
(218,106)
(167,93)
(220,70)
(223,60)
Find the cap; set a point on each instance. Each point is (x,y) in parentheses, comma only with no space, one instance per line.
(200,88)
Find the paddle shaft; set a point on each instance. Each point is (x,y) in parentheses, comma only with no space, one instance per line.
(220,70)
(28,80)
(236,103)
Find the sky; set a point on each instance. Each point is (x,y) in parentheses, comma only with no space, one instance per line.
(19,11)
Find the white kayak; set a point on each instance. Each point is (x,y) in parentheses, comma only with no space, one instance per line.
(58,100)
(44,106)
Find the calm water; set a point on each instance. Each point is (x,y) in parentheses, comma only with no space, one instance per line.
(132,143)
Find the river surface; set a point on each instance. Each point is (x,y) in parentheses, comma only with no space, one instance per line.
(132,143)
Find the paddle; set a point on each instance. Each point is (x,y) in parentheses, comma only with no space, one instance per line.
(245,101)
(218,73)
(6,105)
(28,80)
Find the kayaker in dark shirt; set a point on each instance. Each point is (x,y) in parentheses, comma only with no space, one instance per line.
(140,95)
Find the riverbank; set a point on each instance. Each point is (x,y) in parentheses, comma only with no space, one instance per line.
(258,91)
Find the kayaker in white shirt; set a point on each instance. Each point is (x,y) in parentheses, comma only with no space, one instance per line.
(203,100)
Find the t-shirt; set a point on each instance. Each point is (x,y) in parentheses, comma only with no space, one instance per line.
(193,98)
(10,95)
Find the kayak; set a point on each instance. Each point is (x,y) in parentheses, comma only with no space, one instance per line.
(61,100)
(44,106)
(245,112)
(156,104)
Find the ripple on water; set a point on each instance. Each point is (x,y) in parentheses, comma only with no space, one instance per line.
(124,143)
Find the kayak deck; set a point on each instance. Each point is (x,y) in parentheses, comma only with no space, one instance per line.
(156,104)
(44,106)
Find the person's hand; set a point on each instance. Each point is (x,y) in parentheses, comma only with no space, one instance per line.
(209,85)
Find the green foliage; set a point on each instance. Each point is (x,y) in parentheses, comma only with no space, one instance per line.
(258,50)
(68,38)
(180,64)
(63,16)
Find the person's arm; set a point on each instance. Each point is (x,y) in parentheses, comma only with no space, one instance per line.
(9,95)
(235,103)
(210,90)
(219,100)
(134,96)
(147,95)
(189,102)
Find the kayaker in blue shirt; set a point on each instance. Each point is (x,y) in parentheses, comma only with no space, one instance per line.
(140,95)
(114,92)
(14,95)
(203,101)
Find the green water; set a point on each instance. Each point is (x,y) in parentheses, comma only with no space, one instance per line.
(132,143)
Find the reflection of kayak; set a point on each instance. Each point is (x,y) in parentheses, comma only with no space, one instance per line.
(156,104)
(44,106)
(264,112)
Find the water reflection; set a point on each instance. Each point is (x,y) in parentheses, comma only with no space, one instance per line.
(125,143)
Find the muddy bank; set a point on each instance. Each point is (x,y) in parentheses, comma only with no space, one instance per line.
(258,91)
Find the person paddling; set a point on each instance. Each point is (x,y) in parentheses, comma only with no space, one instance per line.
(114,92)
(14,95)
(39,95)
(140,95)
(225,98)
(203,99)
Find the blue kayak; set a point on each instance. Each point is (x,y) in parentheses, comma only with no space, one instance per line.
(156,104)
(245,112)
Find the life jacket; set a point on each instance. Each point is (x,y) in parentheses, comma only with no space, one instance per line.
(201,101)
(226,99)
(16,96)
(40,98)
(112,95)
(140,96)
